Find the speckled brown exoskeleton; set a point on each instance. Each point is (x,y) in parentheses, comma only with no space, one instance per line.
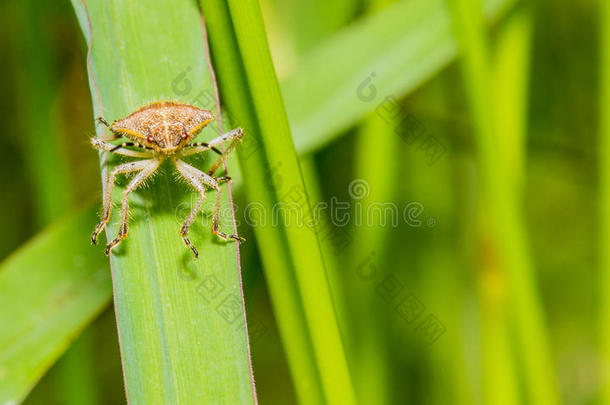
(159,131)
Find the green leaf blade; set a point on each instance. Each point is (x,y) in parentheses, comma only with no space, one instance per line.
(302,241)
(180,319)
(397,49)
(45,307)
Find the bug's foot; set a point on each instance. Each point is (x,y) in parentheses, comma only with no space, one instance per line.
(101,120)
(112,245)
(224,179)
(97,231)
(224,236)
(188,243)
(122,235)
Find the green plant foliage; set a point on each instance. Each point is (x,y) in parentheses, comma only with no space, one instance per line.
(291,253)
(51,289)
(46,160)
(604,199)
(503,238)
(387,54)
(168,325)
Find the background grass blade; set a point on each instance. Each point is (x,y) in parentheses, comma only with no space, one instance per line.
(498,365)
(288,308)
(311,21)
(180,320)
(291,23)
(376,142)
(404,45)
(44,307)
(604,200)
(44,155)
(510,78)
(302,242)
(298,246)
(503,239)
(376,164)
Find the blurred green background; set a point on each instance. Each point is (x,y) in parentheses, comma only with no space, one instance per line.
(390,281)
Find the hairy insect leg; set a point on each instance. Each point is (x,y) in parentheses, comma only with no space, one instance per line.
(106,137)
(198,147)
(215,218)
(149,167)
(234,136)
(101,120)
(198,180)
(120,149)
(120,169)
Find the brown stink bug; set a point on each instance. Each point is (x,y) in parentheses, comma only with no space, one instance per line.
(159,131)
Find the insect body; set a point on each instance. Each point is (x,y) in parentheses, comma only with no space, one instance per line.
(159,131)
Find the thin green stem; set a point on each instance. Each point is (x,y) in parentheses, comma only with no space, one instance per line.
(604,199)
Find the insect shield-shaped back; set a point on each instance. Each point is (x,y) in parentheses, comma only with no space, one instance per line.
(164,126)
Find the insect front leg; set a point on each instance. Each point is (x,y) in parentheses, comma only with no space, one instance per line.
(101,120)
(198,147)
(121,149)
(234,136)
(106,137)
(120,169)
(149,167)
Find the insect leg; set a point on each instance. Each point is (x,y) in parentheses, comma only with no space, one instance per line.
(198,147)
(101,120)
(129,144)
(215,218)
(120,169)
(234,136)
(149,167)
(198,180)
(106,137)
(119,149)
